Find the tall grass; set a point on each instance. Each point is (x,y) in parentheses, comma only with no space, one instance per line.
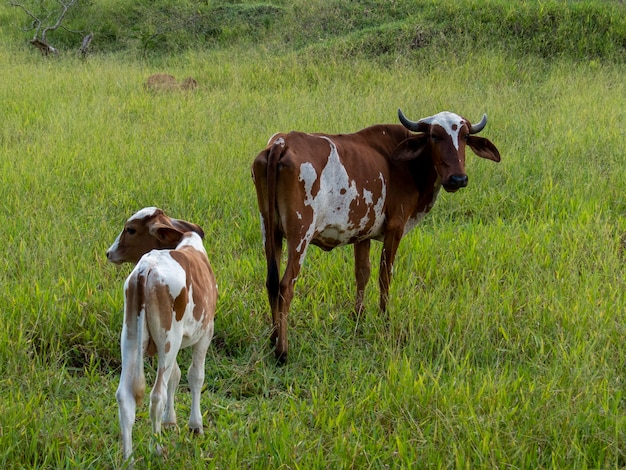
(503,341)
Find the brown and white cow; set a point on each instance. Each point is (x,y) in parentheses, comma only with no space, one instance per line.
(169,304)
(334,190)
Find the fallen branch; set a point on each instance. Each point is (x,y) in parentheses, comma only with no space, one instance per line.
(41,42)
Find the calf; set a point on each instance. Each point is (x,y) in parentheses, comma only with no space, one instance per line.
(169,304)
(333,190)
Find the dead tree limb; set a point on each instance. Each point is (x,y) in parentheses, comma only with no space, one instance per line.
(84,47)
(39,39)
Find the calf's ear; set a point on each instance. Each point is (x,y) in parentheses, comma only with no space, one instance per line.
(185,226)
(167,235)
(410,148)
(483,148)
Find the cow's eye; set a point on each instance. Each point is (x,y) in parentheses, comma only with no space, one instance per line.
(434,138)
(466,136)
(131,231)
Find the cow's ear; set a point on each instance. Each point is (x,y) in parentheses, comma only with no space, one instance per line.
(410,148)
(483,148)
(166,234)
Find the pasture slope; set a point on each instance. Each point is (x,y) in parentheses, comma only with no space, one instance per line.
(503,345)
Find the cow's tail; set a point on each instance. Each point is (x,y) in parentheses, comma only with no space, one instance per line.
(272,283)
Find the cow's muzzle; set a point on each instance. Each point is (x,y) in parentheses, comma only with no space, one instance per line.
(455,182)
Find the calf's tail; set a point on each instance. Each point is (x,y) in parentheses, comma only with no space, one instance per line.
(139,379)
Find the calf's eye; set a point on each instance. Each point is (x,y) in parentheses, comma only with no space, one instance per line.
(131,231)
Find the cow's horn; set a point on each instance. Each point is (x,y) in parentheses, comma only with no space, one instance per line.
(476,128)
(410,125)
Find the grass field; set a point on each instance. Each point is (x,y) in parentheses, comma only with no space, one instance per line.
(503,344)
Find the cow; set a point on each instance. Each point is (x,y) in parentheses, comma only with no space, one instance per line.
(334,190)
(169,304)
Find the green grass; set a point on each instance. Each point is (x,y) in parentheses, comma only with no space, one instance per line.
(152,29)
(503,344)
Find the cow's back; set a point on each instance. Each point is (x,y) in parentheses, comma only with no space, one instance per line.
(331,190)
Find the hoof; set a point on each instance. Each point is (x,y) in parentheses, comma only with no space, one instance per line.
(281,358)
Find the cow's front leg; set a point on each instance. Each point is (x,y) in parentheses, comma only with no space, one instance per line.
(362,270)
(390,247)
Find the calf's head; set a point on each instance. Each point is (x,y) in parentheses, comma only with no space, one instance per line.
(445,136)
(148,229)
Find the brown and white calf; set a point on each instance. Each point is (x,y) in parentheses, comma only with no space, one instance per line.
(169,304)
(334,190)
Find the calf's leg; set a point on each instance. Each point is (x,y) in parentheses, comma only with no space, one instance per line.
(130,389)
(169,417)
(166,369)
(195,377)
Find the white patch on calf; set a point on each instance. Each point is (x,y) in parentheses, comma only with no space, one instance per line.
(143,213)
(168,272)
(113,248)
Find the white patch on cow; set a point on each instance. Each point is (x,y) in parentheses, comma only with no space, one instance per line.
(367,195)
(379,207)
(299,215)
(282,142)
(331,205)
(308,175)
(448,121)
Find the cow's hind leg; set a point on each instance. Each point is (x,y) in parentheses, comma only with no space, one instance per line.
(296,251)
(362,269)
(273,255)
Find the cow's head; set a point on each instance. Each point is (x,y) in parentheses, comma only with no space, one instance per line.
(148,229)
(445,136)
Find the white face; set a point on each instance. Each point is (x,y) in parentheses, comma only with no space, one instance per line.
(450,122)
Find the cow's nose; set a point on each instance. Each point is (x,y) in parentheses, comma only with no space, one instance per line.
(458,181)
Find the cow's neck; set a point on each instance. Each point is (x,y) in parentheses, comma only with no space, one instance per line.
(428,184)
(426,180)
